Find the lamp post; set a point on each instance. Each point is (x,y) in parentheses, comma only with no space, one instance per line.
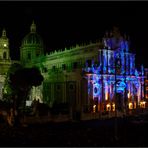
(125,95)
(116,130)
(141,90)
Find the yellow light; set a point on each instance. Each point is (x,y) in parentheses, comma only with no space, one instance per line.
(130,105)
(106,96)
(128,95)
(5,45)
(134,104)
(142,104)
(88,74)
(94,108)
(108,107)
(113,106)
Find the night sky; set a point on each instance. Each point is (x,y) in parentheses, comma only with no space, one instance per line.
(63,24)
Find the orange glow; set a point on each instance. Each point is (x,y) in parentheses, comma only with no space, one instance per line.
(134,104)
(113,107)
(106,96)
(142,104)
(108,107)
(128,95)
(88,74)
(130,105)
(94,108)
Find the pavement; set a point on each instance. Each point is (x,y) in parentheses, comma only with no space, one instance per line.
(100,133)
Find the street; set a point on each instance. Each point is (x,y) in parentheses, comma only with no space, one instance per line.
(84,133)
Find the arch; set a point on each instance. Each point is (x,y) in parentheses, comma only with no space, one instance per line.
(120,86)
(4,55)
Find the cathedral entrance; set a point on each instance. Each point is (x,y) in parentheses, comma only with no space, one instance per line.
(95,106)
(119,101)
(120,90)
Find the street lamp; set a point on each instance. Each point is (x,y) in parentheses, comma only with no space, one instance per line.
(116,81)
(125,94)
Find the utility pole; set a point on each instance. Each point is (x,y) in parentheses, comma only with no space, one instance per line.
(116,130)
(125,95)
(102,73)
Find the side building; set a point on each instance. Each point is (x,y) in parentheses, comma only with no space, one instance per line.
(5,61)
(146,83)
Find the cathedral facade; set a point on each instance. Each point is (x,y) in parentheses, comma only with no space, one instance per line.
(96,77)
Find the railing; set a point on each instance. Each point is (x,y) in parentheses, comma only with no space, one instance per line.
(5,60)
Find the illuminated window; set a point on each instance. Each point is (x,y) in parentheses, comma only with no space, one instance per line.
(130,105)
(147,93)
(128,95)
(142,104)
(106,96)
(134,104)
(113,107)
(94,108)
(108,107)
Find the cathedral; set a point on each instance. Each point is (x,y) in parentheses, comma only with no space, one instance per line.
(95,77)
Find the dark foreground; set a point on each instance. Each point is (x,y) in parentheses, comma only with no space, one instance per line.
(130,132)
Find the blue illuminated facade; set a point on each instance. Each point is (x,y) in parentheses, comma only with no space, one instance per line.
(114,81)
(94,77)
(90,77)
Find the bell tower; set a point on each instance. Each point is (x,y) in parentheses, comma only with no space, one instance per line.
(5,61)
(4,47)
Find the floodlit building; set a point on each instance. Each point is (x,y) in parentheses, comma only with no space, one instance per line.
(95,77)
(146,83)
(5,61)
(87,77)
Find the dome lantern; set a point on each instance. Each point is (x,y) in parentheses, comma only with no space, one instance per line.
(4,33)
(33,27)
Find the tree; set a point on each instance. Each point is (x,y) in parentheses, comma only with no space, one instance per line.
(9,90)
(19,82)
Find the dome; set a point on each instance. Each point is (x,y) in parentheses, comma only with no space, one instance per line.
(32,38)
(32,46)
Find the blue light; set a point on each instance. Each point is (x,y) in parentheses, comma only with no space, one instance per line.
(102,85)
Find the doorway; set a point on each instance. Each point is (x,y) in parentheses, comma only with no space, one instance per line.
(119,101)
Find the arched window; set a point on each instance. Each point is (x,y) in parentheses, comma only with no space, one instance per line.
(4,55)
(29,56)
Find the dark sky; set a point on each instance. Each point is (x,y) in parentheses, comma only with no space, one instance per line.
(65,23)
